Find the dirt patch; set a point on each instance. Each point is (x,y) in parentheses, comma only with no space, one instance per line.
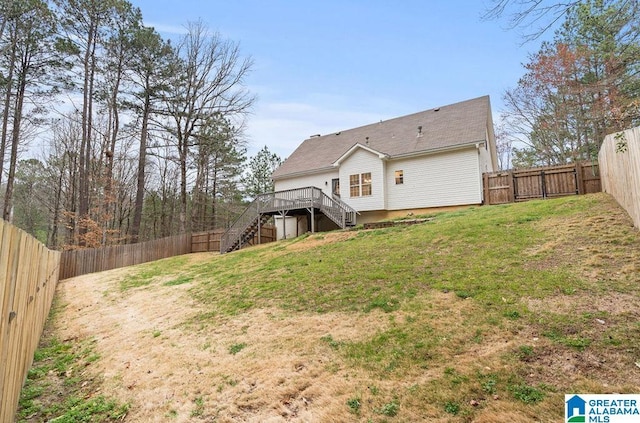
(613,303)
(264,365)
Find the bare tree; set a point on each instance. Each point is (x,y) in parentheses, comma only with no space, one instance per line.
(535,17)
(209,82)
(152,64)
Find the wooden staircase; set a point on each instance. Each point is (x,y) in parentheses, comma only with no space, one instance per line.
(249,233)
(264,206)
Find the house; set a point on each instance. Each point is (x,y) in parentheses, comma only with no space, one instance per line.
(411,164)
(426,160)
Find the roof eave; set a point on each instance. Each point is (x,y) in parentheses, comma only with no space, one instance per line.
(356,146)
(438,150)
(304,173)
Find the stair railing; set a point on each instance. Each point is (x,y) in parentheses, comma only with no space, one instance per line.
(280,201)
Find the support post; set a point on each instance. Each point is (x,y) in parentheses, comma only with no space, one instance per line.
(259,228)
(313,220)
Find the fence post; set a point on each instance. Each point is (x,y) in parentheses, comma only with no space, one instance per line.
(512,187)
(485,185)
(580,188)
(543,184)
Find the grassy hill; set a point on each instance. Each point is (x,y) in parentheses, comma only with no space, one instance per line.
(485,314)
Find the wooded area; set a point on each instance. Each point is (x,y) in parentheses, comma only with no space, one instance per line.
(543,182)
(578,87)
(620,161)
(142,137)
(29,273)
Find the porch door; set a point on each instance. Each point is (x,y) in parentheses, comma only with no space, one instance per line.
(335,187)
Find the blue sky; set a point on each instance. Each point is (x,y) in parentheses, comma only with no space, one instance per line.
(325,66)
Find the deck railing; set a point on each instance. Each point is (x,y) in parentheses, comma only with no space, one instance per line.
(282,201)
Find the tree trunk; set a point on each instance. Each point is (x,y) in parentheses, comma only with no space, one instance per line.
(7,108)
(84,168)
(142,162)
(15,140)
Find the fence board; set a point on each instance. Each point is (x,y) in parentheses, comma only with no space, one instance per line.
(544,182)
(89,260)
(621,170)
(29,278)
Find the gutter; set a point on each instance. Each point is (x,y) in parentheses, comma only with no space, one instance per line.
(475,144)
(388,157)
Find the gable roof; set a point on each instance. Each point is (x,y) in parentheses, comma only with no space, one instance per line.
(454,125)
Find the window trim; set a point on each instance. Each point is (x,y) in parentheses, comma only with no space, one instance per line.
(361,185)
(354,185)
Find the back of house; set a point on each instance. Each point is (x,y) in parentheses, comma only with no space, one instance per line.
(426,160)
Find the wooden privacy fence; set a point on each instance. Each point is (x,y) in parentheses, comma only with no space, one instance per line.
(90,260)
(29,275)
(620,160)
(542,182)
(210,241)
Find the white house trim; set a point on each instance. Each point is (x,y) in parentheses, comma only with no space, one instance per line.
(353,149)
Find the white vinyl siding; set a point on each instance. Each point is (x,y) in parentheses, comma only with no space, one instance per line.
(358,163)
(438,180)
(319,180)
(485,159)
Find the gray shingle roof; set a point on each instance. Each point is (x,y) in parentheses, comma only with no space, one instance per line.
(443,127)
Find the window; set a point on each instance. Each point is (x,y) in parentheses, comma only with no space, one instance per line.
(360,185)
(399,177)
(366,183)
(354,185)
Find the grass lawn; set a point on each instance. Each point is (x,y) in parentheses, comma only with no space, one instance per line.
(486,314)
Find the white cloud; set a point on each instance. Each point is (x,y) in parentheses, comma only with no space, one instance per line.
(167,28)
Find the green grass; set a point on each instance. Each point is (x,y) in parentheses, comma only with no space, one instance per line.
(236,348)
(146,273)
(479,253)
(54,389)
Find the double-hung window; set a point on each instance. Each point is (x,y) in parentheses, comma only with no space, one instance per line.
(360,185)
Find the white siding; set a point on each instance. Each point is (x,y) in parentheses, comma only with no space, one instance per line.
(485,159)
(362,161)
(446,179)
(319,180)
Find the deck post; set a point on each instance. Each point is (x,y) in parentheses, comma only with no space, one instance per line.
(283,214)
(313,220)
(259,228)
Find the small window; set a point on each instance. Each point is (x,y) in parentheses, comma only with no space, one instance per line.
(366,183)
(354,185)
(399,177)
